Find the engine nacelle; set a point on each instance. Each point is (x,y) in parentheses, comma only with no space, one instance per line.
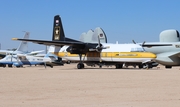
(169,36)
(75,50)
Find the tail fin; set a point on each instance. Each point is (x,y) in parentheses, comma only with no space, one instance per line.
(58,32)
(23,45)
(99,32)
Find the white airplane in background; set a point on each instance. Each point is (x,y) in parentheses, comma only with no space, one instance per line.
(22,49)
(19,60)
(167,49)
(94,53)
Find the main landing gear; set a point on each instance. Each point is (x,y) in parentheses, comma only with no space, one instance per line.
(80,65)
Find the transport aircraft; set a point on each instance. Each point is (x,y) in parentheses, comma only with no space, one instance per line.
(167,49)
(94,53)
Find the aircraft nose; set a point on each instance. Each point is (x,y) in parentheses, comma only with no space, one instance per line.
(149,55)
(153,55)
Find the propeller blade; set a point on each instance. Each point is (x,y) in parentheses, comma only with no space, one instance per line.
(100,60)
(92,49)
(99,41)
(143,43)
(133,41)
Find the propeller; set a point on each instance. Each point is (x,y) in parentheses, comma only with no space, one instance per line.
(139,44)
(133,41)
(99,48)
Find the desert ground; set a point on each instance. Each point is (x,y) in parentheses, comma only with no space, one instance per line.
(67,86)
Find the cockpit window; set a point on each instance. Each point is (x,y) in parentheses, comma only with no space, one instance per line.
(137,50)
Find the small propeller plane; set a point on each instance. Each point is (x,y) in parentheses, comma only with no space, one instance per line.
(19,60)
(94,53)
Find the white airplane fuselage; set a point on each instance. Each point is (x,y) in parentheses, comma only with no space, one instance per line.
(118,53)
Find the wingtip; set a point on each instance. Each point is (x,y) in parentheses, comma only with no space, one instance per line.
(14,38)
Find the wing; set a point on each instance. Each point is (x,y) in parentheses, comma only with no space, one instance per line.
(56,43)
(76,47)
(152,45)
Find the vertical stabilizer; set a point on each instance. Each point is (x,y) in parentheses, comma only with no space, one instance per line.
(23,47)
(99,32)
(58,32)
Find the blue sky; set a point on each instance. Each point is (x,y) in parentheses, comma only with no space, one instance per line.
(122,20)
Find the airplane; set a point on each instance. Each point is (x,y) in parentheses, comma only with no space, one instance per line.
(94,53)
(22,48)
(19,60)
(167,49)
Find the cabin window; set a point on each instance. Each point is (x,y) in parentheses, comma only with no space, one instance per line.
(137,50)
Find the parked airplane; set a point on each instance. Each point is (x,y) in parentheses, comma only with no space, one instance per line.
(19,60)
(94,53)
(167,50)
(22,48)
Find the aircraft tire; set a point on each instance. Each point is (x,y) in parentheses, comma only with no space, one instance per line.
(10,65)
(68,62)
(80,65)
(150,66)
(4,65)
(140,66)
(168,67)
(118,66)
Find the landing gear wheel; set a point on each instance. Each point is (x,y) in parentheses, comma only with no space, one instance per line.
(4,65)
(118,66)
(168,67)
(140,66)
(80,65)
(10,65)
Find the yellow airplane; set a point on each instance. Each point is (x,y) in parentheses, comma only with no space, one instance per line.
(94,53)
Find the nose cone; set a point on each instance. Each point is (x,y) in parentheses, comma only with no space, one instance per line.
(153,55)
(148,55)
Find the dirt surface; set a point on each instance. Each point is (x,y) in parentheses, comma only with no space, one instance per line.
(66,86)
